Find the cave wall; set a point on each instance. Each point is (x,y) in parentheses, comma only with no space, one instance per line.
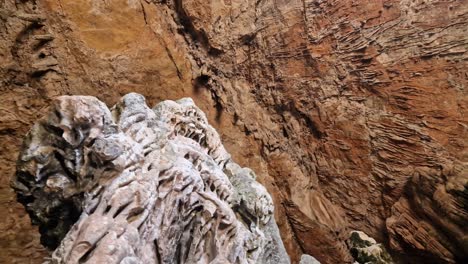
(353,114)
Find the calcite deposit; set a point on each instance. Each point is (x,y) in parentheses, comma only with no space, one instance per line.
(366,250)
(353,114)
(140,185)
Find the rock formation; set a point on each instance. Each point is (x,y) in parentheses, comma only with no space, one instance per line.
(143,186)
(353,114)
(366,250)
(306,259)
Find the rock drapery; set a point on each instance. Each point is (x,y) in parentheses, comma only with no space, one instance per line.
(144,186)
(352,113)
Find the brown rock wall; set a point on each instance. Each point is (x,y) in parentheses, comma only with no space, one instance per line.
(352,113)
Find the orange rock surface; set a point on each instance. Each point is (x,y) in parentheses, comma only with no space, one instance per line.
(352,113)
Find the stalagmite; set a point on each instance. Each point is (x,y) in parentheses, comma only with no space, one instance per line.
(132,184)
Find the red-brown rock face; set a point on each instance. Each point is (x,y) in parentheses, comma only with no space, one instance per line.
(352,113)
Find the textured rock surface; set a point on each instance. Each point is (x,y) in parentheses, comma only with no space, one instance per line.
(306,259)
(143,186)
(366,250)
(352,113)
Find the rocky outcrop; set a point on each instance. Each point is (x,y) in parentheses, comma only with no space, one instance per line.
(353,114)
(135,185)
(306,259)
(366,250)
(430,220)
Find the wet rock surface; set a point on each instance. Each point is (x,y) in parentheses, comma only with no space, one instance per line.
(353,114)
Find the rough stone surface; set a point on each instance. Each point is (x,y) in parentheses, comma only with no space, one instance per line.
(306,259)
(353,114)
(135,185)
(366,250)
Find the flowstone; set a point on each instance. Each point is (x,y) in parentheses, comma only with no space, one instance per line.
(132,184)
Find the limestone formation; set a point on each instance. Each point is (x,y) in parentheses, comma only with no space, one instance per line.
(307,259)
(353,114)
(139,185)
